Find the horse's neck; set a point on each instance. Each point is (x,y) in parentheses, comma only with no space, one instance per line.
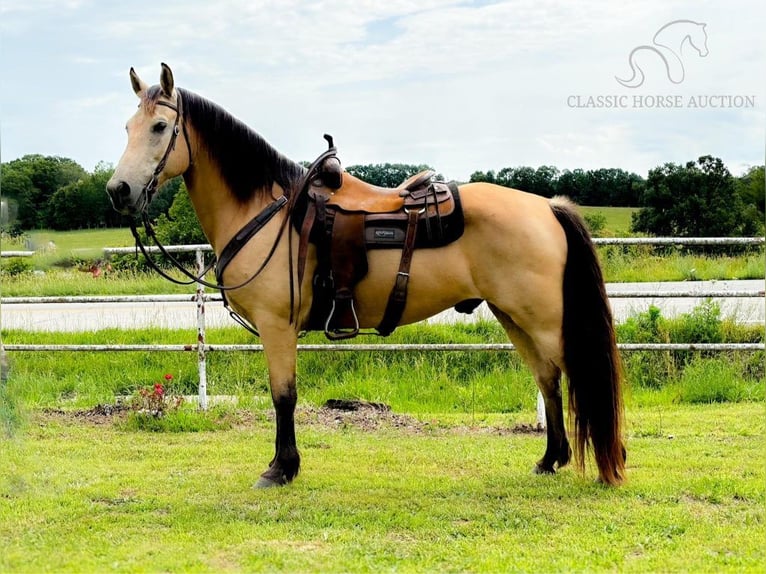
(674,36)
(220,214)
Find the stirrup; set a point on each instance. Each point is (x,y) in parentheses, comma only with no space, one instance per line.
(338,334)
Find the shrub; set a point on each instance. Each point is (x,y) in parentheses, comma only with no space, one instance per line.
(701,325)
(716,380)
(17,266)
(184,419)
(596,223)
(660,369)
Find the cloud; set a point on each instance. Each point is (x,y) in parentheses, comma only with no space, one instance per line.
(457,84)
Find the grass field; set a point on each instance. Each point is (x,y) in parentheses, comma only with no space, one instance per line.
(450,493)
(445,488)
(456,382)
(617,219)
(69,245)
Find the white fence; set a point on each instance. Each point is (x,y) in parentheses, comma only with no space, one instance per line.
(202,347)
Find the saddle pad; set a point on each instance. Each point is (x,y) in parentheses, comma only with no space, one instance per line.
(382,231)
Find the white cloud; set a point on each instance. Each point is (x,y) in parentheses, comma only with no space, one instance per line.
(460,85)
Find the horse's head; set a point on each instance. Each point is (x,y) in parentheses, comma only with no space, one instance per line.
(153,154)
(698,39)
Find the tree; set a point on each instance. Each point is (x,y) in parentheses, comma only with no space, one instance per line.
(386,174)
(522,178)
(573,184)
(165,197)
(698,199)
(17,191)
(32,180)
(488,177)
(610,186)
(84,203)
(752,188)
(181,225)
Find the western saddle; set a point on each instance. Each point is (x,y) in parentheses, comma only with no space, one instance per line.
(344,217)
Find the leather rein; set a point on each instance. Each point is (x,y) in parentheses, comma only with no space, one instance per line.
(239,240)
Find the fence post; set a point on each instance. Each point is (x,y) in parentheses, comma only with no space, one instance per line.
(540,411)
(201,358)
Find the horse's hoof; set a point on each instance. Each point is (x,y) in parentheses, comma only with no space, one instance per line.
(264,482)
(538,469)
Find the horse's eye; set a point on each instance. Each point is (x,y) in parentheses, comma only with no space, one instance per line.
(159,127)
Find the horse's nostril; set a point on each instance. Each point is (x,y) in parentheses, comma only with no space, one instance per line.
(119,189)
(124,189)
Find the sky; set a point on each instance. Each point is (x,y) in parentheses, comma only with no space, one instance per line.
(459,85)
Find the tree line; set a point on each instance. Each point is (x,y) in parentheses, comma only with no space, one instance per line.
(51,192)
(605,187)
(700,197)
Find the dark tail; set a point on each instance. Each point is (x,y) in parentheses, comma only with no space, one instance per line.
(590,352)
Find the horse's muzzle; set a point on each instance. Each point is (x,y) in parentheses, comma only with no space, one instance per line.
(119,194)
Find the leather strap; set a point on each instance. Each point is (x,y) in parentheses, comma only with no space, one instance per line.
(303,241)
(398,297)
(235,245)
(151,187)
(348,264)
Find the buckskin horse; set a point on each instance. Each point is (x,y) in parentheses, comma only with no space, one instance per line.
(530,258)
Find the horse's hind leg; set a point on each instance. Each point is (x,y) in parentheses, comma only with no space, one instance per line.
(548,378)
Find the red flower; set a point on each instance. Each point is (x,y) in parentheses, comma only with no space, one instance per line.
(168,377)
(158,389)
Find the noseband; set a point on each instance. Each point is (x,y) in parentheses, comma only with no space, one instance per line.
(151,187)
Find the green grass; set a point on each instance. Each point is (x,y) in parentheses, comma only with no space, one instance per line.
(93,498)
(73,281)
(176,495)
(628,264)
(617,219)
(83,244)
(76,249)
(458,382)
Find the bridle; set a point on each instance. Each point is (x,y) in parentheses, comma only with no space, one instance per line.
(151,186)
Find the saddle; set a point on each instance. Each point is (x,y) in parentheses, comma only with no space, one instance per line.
(344,217)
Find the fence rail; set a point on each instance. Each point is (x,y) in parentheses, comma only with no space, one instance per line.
(16,253)
(393,347)
(611,292)
(200,298)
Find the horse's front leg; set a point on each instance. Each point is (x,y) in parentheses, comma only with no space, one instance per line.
(280,346)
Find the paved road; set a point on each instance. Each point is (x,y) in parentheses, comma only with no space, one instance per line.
(94,316)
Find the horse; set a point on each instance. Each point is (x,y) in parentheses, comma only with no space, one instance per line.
(530,258)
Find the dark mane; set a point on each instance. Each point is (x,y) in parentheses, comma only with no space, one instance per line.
(248,163)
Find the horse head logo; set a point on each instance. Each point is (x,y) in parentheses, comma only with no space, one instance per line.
(667,44)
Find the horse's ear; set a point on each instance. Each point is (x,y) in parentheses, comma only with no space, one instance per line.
(166,80)
(139,86)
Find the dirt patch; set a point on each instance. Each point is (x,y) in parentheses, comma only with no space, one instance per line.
(523,428)
(98,415)
(362,415)
(334,414)
(366,416)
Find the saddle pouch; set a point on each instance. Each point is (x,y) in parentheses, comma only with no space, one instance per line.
(441,219)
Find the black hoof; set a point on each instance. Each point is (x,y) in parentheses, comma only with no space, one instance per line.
(264,482)
(540,469)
